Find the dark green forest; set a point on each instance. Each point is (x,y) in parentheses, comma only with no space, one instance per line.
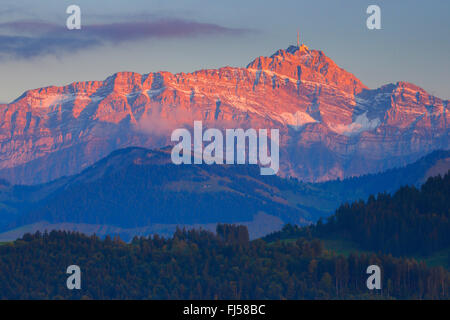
(290,264)
(412,221)
(198,264)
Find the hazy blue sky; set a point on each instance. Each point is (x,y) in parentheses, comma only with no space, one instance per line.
(37,50)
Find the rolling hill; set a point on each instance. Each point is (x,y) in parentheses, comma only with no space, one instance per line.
(135,191)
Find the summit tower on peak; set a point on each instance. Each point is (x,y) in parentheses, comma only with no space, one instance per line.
(300,45)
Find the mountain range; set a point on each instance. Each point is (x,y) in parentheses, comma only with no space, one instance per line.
(331,124)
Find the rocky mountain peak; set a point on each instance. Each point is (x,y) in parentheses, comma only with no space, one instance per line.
(303,64)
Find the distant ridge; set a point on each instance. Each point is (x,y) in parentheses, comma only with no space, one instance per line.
(135,191)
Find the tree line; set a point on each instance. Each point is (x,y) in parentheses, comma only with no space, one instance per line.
(197,264)
(412,221)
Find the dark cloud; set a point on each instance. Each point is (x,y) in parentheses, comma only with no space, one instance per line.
(27,39)
(158,29)
(29,47)
(29,26)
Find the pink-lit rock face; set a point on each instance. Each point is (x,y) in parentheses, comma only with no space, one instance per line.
(331,124)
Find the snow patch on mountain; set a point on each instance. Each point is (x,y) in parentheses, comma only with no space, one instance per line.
(360,124)
(297,120)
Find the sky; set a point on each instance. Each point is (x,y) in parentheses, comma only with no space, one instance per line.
(37,50)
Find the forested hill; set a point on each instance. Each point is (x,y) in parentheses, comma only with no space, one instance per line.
(411,221)
(135,191)
(198,264)
(413,174)
(203,265)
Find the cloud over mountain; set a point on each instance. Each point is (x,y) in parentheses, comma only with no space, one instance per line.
(32,38)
